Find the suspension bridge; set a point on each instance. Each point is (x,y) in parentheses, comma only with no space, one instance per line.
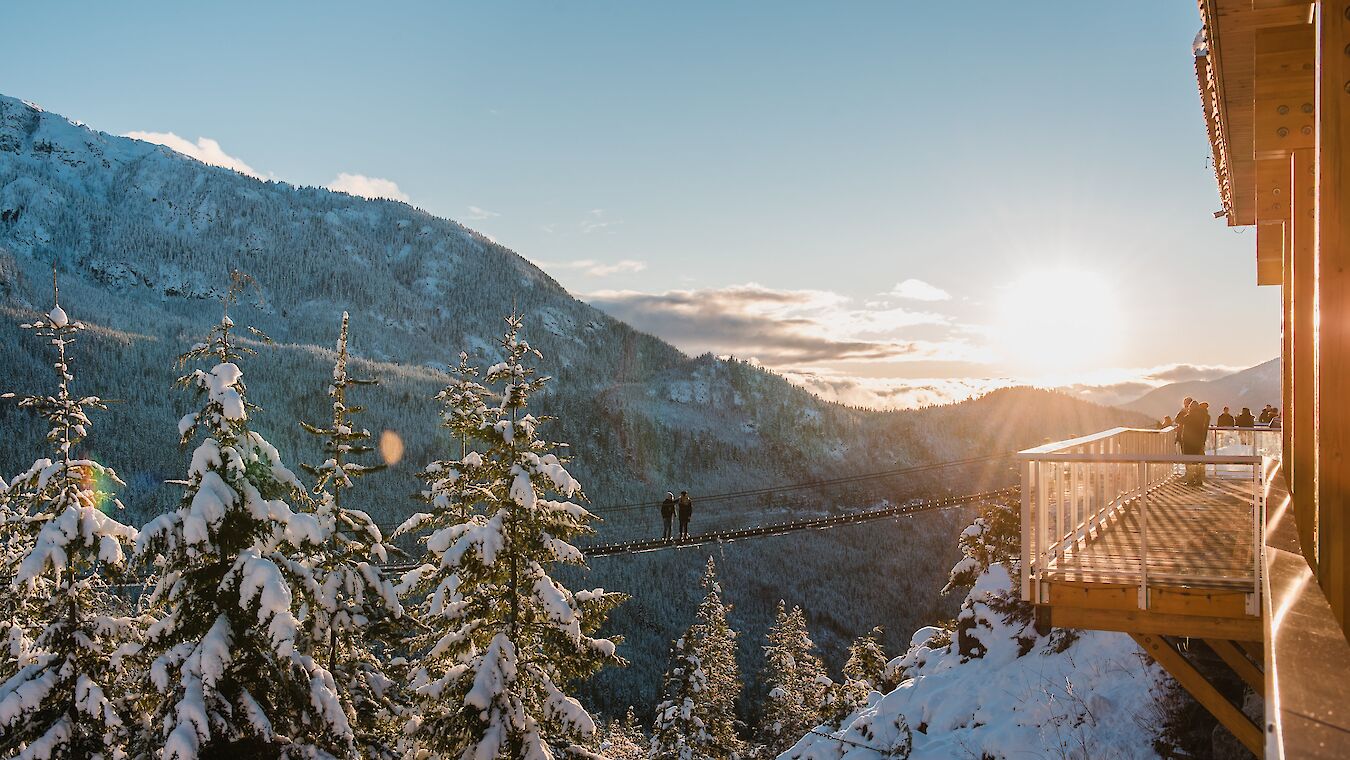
(911,507)
(915,506)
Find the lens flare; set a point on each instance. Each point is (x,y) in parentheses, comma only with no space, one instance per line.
(99,487)
(391,448)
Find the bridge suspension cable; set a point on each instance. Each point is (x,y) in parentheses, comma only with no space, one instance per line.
(778,529)
(809,484)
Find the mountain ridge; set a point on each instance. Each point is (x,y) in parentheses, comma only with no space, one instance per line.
(1253,387)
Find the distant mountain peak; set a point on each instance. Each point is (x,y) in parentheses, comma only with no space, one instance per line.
(1253,387)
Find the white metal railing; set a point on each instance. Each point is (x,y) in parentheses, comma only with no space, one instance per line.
(1072,488)
(1257,441)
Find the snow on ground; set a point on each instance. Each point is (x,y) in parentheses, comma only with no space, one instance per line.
(1091,699)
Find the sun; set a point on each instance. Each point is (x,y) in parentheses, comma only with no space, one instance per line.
(1055,322)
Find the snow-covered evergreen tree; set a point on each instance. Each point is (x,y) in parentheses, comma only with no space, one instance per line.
(715,643)
(226,670)
(61,702)
(702,684)
(679,731)
(866,659)
(623,739)
(502,638)
(16,537)
(864,672)
(357,611)
(451,491)
(799,691)
(991,542)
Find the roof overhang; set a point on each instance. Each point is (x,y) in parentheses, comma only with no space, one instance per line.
(1254,58)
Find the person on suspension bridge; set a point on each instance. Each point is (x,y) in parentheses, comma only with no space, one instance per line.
(667,514)
(686,511)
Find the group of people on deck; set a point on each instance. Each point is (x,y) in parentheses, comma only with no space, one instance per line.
(684,506)
(1193,423)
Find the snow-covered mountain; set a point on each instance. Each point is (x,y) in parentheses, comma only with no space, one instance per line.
(143,238)
(1253,387)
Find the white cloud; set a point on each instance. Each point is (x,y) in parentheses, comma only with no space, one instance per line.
(893,392)
(597,222)
(206,150)
(593,268)
(478,214)
(367,187)
(779,327)
(1109,387)
(918,290)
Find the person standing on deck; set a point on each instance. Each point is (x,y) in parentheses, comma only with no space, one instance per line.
(667,514)
(1267,415)
(1225,418)
(1245,420)
(686,511)
(1194,433)
(1180,419)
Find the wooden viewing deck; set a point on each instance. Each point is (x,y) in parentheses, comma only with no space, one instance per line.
(1114,539)
(1201,562)
(1201,539)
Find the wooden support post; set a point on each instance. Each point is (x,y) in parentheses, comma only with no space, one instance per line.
(1204,692)
(1246,670)
(1302,419)
(1333,214)
(1287,358)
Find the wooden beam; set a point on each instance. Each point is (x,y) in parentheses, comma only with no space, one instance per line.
(1272,191)
(1333,288)
(1204,692)
(1283,91)
(1302,418)
(1284,15)
(1139,621)
(1246,670)
(1199,602)
(1270,254)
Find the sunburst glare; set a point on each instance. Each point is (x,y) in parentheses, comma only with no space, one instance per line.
(1057,321)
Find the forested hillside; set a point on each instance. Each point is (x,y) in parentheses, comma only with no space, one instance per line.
(143,239)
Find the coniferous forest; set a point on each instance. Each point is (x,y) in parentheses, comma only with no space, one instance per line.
(234,405)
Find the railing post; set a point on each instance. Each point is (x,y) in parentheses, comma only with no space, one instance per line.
(1059,508)
(1258,525)
(1073,501)
(1042,519)
(1143,542)
(1027,527)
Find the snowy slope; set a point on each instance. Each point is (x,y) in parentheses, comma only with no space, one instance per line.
(1027,696)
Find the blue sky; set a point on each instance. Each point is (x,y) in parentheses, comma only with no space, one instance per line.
(744,177)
